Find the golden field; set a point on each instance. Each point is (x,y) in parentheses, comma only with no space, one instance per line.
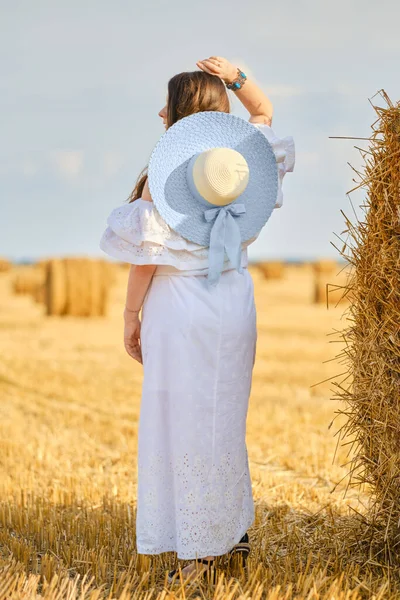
(70,400)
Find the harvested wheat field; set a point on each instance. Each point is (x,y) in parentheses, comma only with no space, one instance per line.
(68,433)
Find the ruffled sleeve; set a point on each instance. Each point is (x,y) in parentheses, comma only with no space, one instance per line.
(137,234)
(284,150)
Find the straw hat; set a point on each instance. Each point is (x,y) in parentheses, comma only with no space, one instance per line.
(213,177)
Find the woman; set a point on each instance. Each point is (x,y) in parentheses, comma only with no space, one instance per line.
(197,348)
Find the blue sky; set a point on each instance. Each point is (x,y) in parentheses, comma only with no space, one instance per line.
(82,83)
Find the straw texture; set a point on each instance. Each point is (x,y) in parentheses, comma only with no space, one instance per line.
(370,390)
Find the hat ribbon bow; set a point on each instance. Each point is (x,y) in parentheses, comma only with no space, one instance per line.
(225,236)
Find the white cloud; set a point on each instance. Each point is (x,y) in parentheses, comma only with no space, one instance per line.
(68,162)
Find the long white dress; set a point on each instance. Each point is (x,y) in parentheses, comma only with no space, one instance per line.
(194,488)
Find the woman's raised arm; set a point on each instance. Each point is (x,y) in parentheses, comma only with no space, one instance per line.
(252,97)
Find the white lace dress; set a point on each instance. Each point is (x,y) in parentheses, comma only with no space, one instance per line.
(194,489)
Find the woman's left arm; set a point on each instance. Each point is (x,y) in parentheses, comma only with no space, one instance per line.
(139,280)
(252,97)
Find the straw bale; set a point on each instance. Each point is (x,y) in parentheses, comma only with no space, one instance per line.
(79,287)
(326,266)
(55,287)
(110,271)
(5,265)
(255,272)
(27,279)
(39,294)
(332,290)
(42,263)
(370,393)
(272,269)
(101,277)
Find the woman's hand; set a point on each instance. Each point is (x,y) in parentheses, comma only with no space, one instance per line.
(250,95)
(132,336)
(217,65)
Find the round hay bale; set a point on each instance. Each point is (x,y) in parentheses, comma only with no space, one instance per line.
(372,341)
(27,279)
(100,278)
(86,269)
(304,267)
(272,269)
(109,276)
(255,272)
(5,265)
(39,295)
(330,292)
(19,282)
(42,263)
(325,266)
(78,287)
(55,287)
(110,270)
(95,279)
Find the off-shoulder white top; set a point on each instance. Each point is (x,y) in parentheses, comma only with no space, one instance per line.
(137,234)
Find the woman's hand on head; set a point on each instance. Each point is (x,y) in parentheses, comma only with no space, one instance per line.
(132,336)
(217,65)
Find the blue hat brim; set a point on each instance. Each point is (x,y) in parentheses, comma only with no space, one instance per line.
(198,132)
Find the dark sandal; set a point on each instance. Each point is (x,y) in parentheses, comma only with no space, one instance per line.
(241,549)
(209,574)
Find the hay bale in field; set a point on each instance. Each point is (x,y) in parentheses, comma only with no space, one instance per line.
(27,279)
(304,267)
(329,292)
(325,266)
(372,341)
(78,287)
(255,272)
(101,278)
(272,269)
(5,265)
(55,287)
(39,294)
(110,270)
(42,263)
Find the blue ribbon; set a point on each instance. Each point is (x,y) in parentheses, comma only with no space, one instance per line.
(225,236)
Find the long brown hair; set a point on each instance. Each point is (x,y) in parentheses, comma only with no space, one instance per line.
(189,93)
